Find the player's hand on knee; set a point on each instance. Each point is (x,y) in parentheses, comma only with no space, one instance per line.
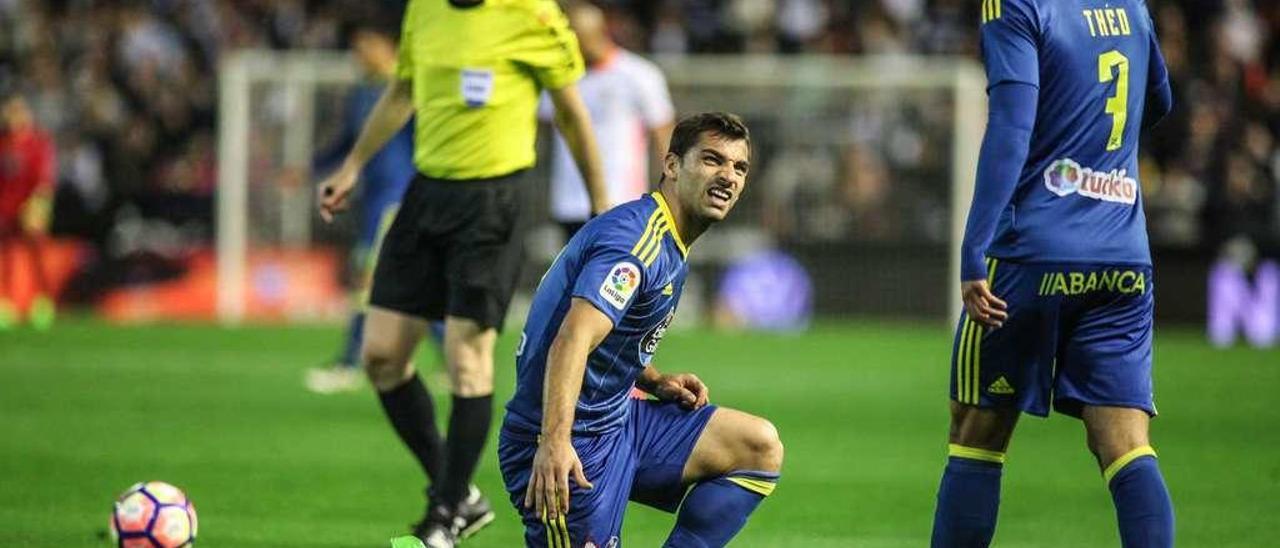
(982,305)
(548,491)
(684,388)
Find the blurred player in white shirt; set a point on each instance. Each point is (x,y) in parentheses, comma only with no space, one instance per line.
(631,112)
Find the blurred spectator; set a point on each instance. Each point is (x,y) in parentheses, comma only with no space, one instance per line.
(26,181)
(631,114)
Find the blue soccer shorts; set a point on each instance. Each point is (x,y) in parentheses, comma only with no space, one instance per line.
(1077,334)
(642,461)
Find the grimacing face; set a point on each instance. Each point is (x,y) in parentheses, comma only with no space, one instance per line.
(711,175)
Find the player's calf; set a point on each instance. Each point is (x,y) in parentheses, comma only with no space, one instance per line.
(969,494)
(468,348)
(735,464)
(1118,437)
(390,338)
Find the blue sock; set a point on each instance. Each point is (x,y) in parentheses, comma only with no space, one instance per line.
(355,337)
(715,510)
(1143,508)
(436,331)
(968,499)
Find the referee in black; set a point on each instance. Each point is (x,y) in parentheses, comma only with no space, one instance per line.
(472,72)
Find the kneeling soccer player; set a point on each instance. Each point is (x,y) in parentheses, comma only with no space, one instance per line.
(574,446)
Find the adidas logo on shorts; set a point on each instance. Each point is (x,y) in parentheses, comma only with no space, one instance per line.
(1000,387)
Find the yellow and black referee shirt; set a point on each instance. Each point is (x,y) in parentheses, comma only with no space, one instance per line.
(477,73)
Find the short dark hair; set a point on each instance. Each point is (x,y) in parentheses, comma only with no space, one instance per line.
(374,21)
(690,128)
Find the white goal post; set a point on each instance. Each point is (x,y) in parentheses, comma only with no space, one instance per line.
(698,83)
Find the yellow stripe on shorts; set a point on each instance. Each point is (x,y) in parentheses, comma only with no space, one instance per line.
(975,381)
(557,531)
(962,363)
(990,10)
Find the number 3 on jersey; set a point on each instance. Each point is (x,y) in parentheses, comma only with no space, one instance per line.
(1117,105)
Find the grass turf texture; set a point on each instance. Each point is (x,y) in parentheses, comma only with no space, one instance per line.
(87,409)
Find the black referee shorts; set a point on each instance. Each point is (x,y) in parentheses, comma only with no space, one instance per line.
(453,249)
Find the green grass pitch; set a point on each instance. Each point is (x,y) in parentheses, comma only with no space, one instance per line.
(88,409)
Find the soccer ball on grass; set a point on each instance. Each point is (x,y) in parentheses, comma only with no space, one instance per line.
(153,515)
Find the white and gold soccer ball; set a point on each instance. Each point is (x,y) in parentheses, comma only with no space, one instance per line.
(153,514)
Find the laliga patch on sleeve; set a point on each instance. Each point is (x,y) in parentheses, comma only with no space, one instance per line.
(620,284)
(477,86)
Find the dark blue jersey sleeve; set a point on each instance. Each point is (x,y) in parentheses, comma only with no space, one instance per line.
(1009,37)
(1159,92)
(610,276)
(1011,116)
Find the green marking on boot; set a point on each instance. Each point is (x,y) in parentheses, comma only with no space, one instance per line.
(407,542)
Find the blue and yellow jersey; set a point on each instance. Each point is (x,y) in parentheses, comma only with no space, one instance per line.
(630,264)
(1077,198)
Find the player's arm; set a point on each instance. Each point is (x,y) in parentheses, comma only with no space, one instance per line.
(1159,92)
(392,111)
(1011,115)
(684,388)
(574,122)
(552,55)
(583,328)
(1013,75)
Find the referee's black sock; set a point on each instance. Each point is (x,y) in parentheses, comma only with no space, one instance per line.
(468,430)
(414,417)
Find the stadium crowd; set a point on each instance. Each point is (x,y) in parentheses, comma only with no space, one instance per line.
(129,91)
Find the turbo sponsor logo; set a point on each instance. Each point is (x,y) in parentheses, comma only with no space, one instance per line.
(1066,176)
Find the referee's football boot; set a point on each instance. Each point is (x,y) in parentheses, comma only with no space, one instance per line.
(472,514)
(444,525)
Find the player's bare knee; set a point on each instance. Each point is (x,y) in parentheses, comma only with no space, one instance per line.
(1112,432)
(473,381)
(1109,445)
(469,352)
(982,428)
(762,447)
(385,368)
